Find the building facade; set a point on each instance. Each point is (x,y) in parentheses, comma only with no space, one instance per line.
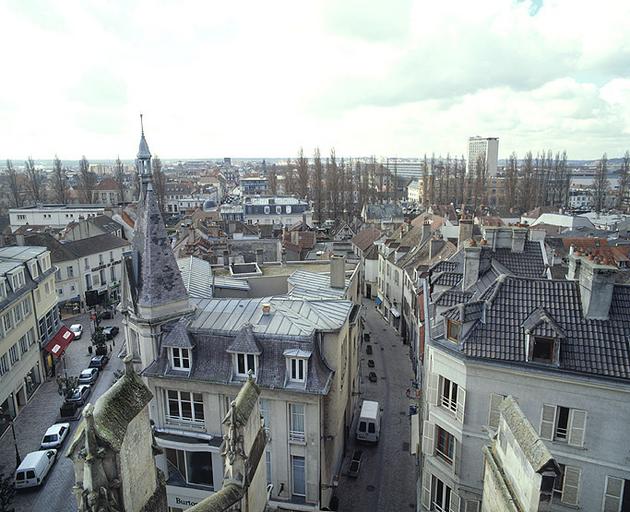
(488,149)
(54,216)
(283,211)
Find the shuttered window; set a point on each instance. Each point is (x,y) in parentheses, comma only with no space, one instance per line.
(563,424)
(566,488)
(617,491)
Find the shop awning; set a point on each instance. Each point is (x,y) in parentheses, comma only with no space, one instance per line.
(378,301)
(58,345)
(395,312)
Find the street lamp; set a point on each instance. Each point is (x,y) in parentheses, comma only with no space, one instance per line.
(18,459)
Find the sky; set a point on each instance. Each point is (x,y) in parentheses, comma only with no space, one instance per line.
(264,78)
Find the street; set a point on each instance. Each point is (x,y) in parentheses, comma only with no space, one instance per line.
(41,412)
(387,477)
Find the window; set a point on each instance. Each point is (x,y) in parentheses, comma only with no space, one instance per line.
(296,427)
(14,354)
(616,495)
(4,364)
(194,467)
(86,263)
(543,349)
(298,373)
(112,273)
(100,259)
(70,271)
(266,209)
(440,495)
(454,329)
(563,424)
(264,412)
(278,209)
(180,358)
(445,445)
(566,487)
(7,322)
(449,395)
(26,307)
(396,278)
(47,287)
(17,280)
(111,256)
(185,406)
(245,363)
(17,314)
(88,281)
(268,466)
(298,475)
(33,269)
(58,274)
(24,343)
(101,274)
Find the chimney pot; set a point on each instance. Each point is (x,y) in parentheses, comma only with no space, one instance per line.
(266,309)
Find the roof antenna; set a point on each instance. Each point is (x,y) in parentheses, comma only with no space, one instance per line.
(141,125)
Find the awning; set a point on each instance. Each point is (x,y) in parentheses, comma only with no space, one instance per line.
(378,301)
(395,312)
(58,345)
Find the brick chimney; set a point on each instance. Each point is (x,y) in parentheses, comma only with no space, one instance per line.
(426,229)
(465,231)
(519,235)
(597,283)
(338,272)
(472,258)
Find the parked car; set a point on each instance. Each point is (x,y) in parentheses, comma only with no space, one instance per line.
(33,469)
(99,362)
(55,436)
(371,363)
(80,394)
(368,350)
(355,464)
(110,332)
(106,314)
(88,376)
(372,376)
(77,330)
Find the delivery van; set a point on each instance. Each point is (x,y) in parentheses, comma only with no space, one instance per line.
(369,426)
(34,468)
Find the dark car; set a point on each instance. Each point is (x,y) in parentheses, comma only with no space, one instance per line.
(371,363)
(106,314)
(372,376)
(355,464)
(368,350)
(111,332)
(98,362)
(80,394)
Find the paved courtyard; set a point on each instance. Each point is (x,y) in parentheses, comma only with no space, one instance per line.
(387,479)
(40,413)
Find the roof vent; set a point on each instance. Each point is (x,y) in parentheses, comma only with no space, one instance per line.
(266,309)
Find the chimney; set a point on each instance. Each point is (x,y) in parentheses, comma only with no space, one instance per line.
(465,231)
(597,283)
(472,257)
(19,239)
(519,235)
(426,229)
(266,309)
(490,234)
(260,257)
(433,247)
(304,218)
(226,258)
(338,272)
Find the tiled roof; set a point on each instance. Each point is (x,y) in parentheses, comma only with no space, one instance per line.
(465,312)
(597,347)
(366,237)
(108,184)
(95,244)
(529,263)
(452,297)
(446,278)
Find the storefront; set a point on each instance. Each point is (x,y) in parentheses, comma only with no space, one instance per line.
(56,348)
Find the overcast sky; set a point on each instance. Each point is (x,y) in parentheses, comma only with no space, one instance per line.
(262,78)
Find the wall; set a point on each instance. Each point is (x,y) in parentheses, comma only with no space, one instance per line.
(266,286)
(50,217)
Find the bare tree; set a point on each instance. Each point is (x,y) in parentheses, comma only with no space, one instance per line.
(624,180)
(119,177)
(15,188)
(59,182)
(34,181)
(332,185)
(317,185)
(289,184)
(87,181)
(511,181)
(272,180)
(425,183)
(302,175)
(600,184)
(527,185)
(159,181)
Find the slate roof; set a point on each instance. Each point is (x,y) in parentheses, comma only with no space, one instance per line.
(58,251)
(366,237)
(245,342)
(105,223)
(595,347)
(212,361)
(383,211)
(95,244)
(160,281)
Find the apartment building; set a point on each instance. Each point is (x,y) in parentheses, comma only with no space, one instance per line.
(29,322)
(284,211)
(559,348)
(486,148)
(54,216)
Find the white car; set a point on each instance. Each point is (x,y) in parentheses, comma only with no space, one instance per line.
(55,436)
(77,330)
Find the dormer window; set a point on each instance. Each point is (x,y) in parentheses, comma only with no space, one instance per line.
(297,369)
(297,365)
(543,349)
(180,358)
(245,363)
(453,330)
(33,269)
(17,280)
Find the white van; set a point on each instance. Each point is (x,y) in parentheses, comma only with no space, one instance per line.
(34,468)
(369,426)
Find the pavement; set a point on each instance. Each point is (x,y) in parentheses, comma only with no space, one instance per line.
(387,478)
(41,412)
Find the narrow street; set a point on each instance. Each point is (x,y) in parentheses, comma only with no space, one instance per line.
(387,478)
(41,412)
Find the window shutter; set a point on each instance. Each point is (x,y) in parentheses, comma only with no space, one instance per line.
(461,404)
(577,427)
(571,485)
(427,438)
(472,506)
(612,496)
(456,456)
(453,503)
(493,416)
(434,380)
(547,422)
(426,489)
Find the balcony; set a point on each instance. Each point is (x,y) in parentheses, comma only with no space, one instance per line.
(296,436)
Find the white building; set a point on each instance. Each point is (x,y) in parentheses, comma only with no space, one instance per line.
(413,191)
(488,147)
(55,216)
(284,211)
